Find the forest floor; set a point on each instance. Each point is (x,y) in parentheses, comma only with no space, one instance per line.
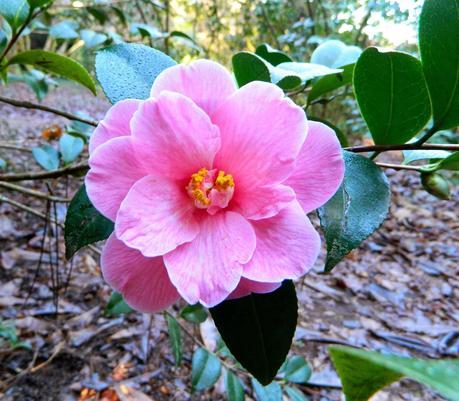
(399,292)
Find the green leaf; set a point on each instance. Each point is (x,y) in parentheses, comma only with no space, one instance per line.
(100,15)
(175,339)
(127,71)
(205,369)
(3,40)
(194,313)
(410,156)
(84,225)
(258,329)
(70,147)
(57,64)
(117,305)
(439,47)
(92,39)
(295,394)
(356,210)
(392,95)
(449,163)
(39,3)
(297,370)
(271,55)
(271,392)
(146,30)
(15,12)
(331,82)
(363,373)
(301,72)
(65,30)
(120,14)
(46,156)
(340,134)
(234,389)
(334,54)
(248,67)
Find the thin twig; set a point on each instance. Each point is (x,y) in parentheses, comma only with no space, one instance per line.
(406,146)
(29,175)
(35,106)
(36,213)
(15,147)
(32,192)
(399,166)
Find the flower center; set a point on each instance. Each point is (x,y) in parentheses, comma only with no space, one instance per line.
(211,189)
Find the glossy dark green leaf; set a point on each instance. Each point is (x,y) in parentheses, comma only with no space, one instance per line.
(175,339)
(356,210)
(205,369)
(46,156)
(439,47)
(302,71)
(363,373)
(297,370)
(248,67)
(117,305)
(65,30)
(70,147)
(84,225)
(234,389)
(15,12)
(3,40)
(57,64)
(392,95)
(331,82)
(127,71)
(194,313)
(340,134)
(271,392)
(258,329)
(294,394)
(271,55)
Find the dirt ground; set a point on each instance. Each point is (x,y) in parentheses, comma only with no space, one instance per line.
(397,293)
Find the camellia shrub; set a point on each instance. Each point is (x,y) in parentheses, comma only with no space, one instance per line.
(201,181)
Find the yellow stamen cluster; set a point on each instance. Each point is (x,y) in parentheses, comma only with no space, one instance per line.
(201,196)
(223,180)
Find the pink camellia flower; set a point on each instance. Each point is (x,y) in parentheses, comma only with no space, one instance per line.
(209,186)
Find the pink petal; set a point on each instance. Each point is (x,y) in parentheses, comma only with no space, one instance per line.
(205,82)
(156,217)
(115,123)
(173,137)
(114,170)
(264,202)
(287,246)
(262,132)
(320,167)
(247,287)
(209,268)
(143,281)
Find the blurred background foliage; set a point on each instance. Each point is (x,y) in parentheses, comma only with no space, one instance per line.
(217,29)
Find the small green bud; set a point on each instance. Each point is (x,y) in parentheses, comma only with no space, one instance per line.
(436,185)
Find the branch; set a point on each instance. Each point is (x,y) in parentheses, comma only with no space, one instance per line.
(406,146)
(32,192)
(70,170)
(30,105)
